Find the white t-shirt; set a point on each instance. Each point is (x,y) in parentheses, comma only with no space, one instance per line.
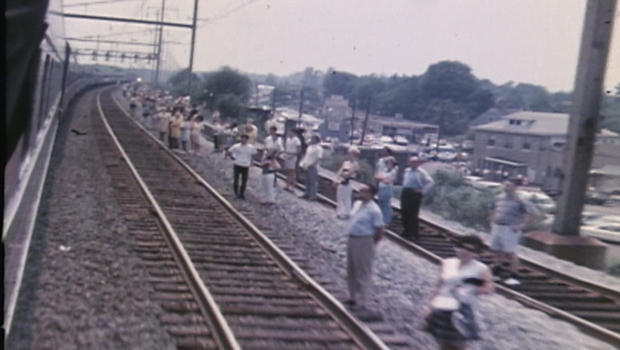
(453,289)
(292,144)
(314,153)
(271,145)
(242,154)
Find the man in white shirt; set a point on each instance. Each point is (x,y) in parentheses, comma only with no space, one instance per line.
(241,153)
(273,144)
(366,228)
(310,163)
(292,148)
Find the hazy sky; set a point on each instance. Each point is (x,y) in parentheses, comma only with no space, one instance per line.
(534,41)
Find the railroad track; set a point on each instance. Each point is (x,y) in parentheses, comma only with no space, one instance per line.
(592,307)
(221,283)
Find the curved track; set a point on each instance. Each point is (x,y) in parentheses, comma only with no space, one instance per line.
(222,283)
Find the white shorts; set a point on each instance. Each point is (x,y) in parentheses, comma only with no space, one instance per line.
(504,238)
(289,162)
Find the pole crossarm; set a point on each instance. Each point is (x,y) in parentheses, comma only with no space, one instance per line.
(136,43)
(122,19)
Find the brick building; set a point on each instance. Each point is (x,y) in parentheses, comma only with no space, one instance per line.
(532,144)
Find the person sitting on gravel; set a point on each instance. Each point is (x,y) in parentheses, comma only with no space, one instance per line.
(366,228)
(241,154)
(510,215)
(450,316)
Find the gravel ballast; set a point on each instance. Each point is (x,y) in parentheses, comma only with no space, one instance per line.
(403,282)
(83,288)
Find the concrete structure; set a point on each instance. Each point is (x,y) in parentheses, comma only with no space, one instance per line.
(532,144)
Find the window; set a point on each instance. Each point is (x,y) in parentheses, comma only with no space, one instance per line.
(491,141)
(526,143)
(508,143)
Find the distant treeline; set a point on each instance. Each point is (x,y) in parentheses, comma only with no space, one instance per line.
(447,94)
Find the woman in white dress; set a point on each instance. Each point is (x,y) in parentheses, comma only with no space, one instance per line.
(195,129)
(346,173)
(269,165)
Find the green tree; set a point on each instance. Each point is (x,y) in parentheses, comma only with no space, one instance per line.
(229,106)
(448,80)
(339,83)
(225,81)
(178,83)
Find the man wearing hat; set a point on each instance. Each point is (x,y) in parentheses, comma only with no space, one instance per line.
(251,130)
(416,183)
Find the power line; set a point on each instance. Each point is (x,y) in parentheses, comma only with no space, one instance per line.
(226,13)
(95,3)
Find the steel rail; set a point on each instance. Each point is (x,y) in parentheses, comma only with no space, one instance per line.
(360,333)
(585,325)
(223,335)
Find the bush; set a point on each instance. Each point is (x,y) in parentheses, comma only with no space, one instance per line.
(456,200)
(333,162)
(614,269)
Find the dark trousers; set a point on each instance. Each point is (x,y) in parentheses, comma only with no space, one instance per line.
(410,208)
(240,171)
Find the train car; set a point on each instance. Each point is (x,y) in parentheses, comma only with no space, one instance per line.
(37,74)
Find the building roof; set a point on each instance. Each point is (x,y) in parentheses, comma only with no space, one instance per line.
(491,115)
(399,123)
(530,123)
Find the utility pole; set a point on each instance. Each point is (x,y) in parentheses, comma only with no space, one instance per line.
(366,120)
(301,107)
(191,50)
(584,114)
(352,121)
(159,41)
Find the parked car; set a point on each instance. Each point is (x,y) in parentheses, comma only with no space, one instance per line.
(608,232)
(400,140)
(538,198)
(446,153)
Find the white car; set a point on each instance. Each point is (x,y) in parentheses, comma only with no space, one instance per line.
(538,198)
(400,140)
(609,232)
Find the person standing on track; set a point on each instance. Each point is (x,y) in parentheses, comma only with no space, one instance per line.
(386,175)
(291,153)
(451,314)
(416,183)
(241,154)
(185,126)
(175,129)
(366,228)
(269,167)
(310,163)
(273,144)
(510,215)
(196,126)
(346,173)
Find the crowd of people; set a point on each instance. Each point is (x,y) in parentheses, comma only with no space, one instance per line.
(450,313)
(178,123)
